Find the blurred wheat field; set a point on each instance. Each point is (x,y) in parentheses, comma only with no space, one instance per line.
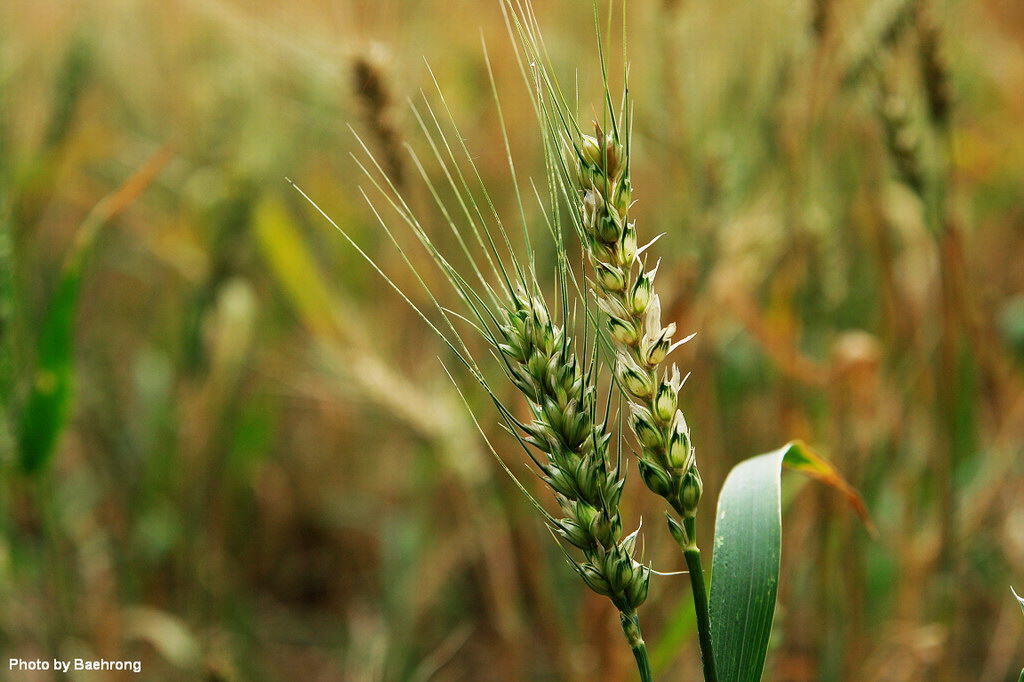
(230,451)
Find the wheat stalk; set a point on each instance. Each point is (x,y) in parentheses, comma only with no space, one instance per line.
(593,175)
(624,290)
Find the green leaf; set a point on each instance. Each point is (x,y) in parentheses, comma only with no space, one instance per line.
(44,413)
(747,551)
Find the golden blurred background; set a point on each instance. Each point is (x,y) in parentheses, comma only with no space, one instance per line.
(230,451)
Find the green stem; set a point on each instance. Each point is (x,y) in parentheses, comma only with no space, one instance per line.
(631,626)
(700,601)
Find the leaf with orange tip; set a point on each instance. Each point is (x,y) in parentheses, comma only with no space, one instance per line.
(747,554)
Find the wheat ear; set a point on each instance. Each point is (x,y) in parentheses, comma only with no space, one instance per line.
(592,175)
(624,289)
(577,464)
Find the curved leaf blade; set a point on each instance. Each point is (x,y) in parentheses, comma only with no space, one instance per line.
(46,408)
(747,553)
